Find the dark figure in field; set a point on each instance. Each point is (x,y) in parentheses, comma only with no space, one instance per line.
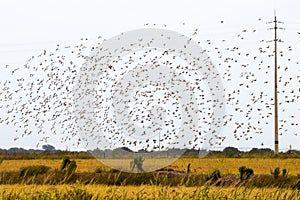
(189,168)
(137,163)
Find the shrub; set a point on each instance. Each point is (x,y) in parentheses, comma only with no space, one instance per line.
(68,166)
(71,168)
(215,175)
(284,172)
(276,172)
(33,170)
(1,160)
(65,163)
(245,173)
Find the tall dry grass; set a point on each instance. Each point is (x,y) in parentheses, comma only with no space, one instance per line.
(198,166)
(84,192)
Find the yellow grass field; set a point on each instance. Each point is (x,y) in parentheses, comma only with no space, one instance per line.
(143,192)
(198,165)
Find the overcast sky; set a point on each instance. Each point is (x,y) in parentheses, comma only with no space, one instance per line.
(28,27)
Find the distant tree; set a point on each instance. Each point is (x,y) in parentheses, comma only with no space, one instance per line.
(126,149)
(231,152)
(48,147)
(16,150)
(263,150)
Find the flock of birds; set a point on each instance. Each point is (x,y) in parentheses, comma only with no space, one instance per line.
(38,97)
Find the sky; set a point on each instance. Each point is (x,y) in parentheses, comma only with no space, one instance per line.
(29,27)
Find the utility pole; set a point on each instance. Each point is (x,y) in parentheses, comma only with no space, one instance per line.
(276,122)
(275,89)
